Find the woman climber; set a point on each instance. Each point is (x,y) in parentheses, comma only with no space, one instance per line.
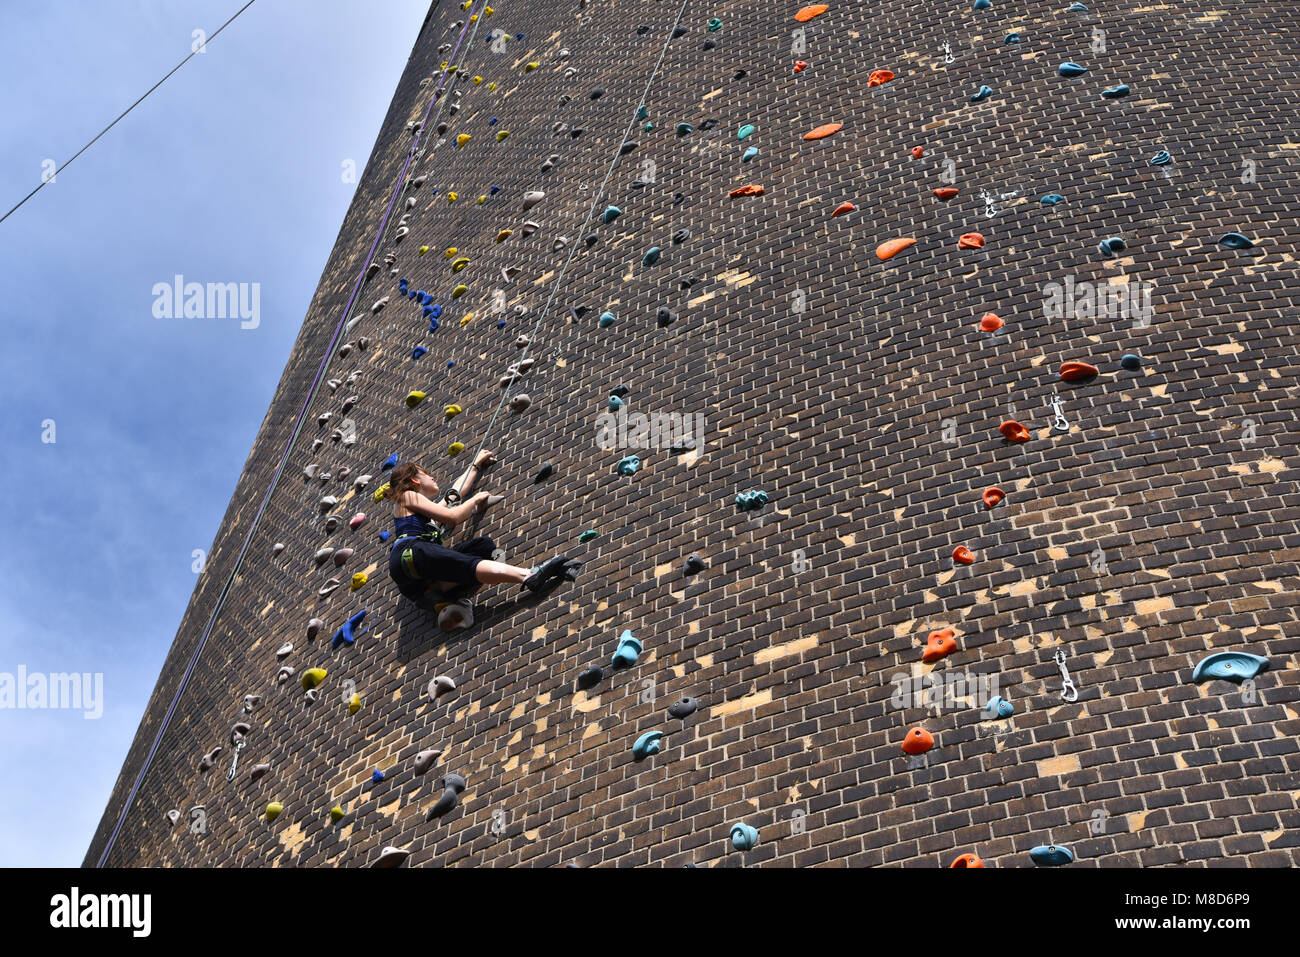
(438,578)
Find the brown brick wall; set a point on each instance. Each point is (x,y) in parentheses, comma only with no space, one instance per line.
(1160,528)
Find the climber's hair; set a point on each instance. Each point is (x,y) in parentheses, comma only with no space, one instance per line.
(402,479)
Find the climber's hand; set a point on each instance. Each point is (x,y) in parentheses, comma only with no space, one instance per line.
(484,459)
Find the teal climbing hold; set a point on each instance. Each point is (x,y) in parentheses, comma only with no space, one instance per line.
(1162,158)
(715,25)
(753,499)
(684,128)
(1131,362)
(1236,241)
(982,4)
(607,319)
(628,465)
(588,535)
(745,131)
(1049,855)
(749,154)
(642,112)
(651,257)
(1111,247)
(1071,69)
(648,127)
(1234,666)
(610,214)
(615,403)
(983,93)
(1115,92)
(743,837)
(1077,7)
(999,707)
(1012,37)
(1051,199)
(628,650)
(647,745)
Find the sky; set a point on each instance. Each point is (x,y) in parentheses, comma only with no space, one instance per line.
(124,430)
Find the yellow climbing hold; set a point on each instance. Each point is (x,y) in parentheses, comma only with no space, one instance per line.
(487,12)
(502,134)
(423,250)
(462,139)
(467,4)
(530,67)
(336,814)
(451,411)
(482,199)
(504,235)
(465,319)
(359,579)
(455,449)
(473,18)
(492,86)
(312,677)
(459,291)
(354,703)
(460,264)
(379,492)
(452,196)
(478,80)
(450,252)
(414,398)
(273,810)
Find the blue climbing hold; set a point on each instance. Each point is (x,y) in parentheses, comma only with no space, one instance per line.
(383,536)
(647,745)
(628,465)
(684,128)
(983,93)
(433,325)
(1115,92)
(1162,158)
(1051,199)
(606,320)
(749,154)
(501,323)
(1012,37)
(651,257)
(377,776)
(610,214)
(402,284)
(748,501)
(745,131)
(450,363)
(426,299)
(390,462)
(743,837)
(492,122)
(1234,666)
(435,310)
(628,650)
(418,352)
(1131,362)
(615,403)
(1049,855)
(1071,69)
(348,632)
(999,707)
(1236,241)
(494,190)
(1111,247)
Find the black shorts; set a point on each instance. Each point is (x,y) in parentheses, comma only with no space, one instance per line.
(436,563)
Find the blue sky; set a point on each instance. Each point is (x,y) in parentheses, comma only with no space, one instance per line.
(232,171)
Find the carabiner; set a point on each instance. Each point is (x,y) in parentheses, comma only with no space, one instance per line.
(1059,423)
(1068,691)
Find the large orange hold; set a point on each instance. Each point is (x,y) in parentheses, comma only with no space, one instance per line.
(963,555)
(892,248)
(946,192)
(992,496)
(1013,431)
(879,77)
(917,741)
(750,190)
(966,860)
(823,131)
(1074,371)
(991,322)
(800,66)
(970,241)
(843,208)
(918,152)
(807,13)
(940,644)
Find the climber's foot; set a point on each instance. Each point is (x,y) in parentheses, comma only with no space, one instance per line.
(571,571)
(545,573)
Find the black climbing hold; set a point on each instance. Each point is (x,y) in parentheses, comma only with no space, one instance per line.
(445,804)
(683,708)
(596,94)
(576,132)
(688,282)
(684,128)
(679,198)
(740,74)
(695,565)
(591,240)
(620,390)
(681,236)
(591,677)
(708,124)
(709,45)
(627,148)
(545,472)
(642,30)
(665,317)
(679,32)
(1111,247)
(579,311)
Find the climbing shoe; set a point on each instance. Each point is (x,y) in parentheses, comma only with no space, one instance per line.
(545,573)
(571,570)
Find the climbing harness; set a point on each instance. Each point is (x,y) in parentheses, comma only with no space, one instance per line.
(1068,691)
(1059,422)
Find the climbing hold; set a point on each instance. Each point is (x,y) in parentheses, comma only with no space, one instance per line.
(683,708)
(665,317)
(313,628)
(745,131)
(684,129)
(963,555)
(442,685)
(355,522)
(982,4)
(590,678)
(391,857)
(347,632)
(329,587)
(983,93)
(823,131)
(377,776)
(1111,247)
(1071,69)
(879,78)
(615,403)
(451,411)
(1051,199)
(1077,7)
(1162,158)
(1050,855)
(694,565)
(273,810)
(354,703)
(610,214)
(750,190)
(893,247)
(627,147)
(681,236)
(425,759)
(459,264)
(455,449)
(1077,371)
(628,465)
(1012,37)
(651,257)
(751,500)
(1234,666)
(1013,431)
(1000,707)
(390,462)
(1236,241)
(588,535)
(744,837)
(917,741)
(939,644)
(680,32)
(459,291)
(530,67)
(336,814)
(917,152)
(714,25)
(359,579)
(970,241)
(312,677)
(1115,92)
(208,760)
(749,154)
(628,650)
(606,319)
(966,861)
(277,548)
(647,745)
(322,554)
(946,192)
(545,472)
(991,322)
(1131,362)
(842,208)
(520,402)
(531,199)
(284,650)
(993,496)
(173,815)
(803,16)
(378,495)
(327,503)
(414,398)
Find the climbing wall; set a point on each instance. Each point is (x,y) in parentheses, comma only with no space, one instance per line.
(986,555)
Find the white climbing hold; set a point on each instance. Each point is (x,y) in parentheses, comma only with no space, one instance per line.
(532,198)
(328,502)
(285,650)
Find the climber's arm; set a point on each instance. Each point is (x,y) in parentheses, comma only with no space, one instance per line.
(467,478)
(443,514)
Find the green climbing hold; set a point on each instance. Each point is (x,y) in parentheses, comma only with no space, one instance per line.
(745,131)
(715,25)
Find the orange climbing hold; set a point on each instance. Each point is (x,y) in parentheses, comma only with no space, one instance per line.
(1013,431)
(823,131)
(892,248)
(843,208)
(1075,371)
(991,322)
(807,13)
(946,192)
(800,66)
(917,152)
(993,496)
(963,555)
(750,190)
(879,78)
(940,644)
(918,741)
(971,241)
(966,860)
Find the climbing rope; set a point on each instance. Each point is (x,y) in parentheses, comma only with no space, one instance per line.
(399,191)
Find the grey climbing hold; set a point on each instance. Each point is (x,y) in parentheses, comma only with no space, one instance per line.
(627,148)
(209,759)
(277,548)
(341,557)
(647,745)
(520,402)
(313,628)
(331,523)
(329,587)
(322,554)
(532,198)
(391,857)
(1111,247)
(694,565)
(379,304)
(665,317)
(596,94)
(559,243)
(591,677)
(1236,241)
(681,236)
(284,674)
(651,257)
(1071,69)
(442,685)
(257,770)
(683,708)
(239,731)
(529,228)
(173,815)
(361,481)
(310,470)
(425,760)
(251,701)
(328,502)
(679,32)
(453,785)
